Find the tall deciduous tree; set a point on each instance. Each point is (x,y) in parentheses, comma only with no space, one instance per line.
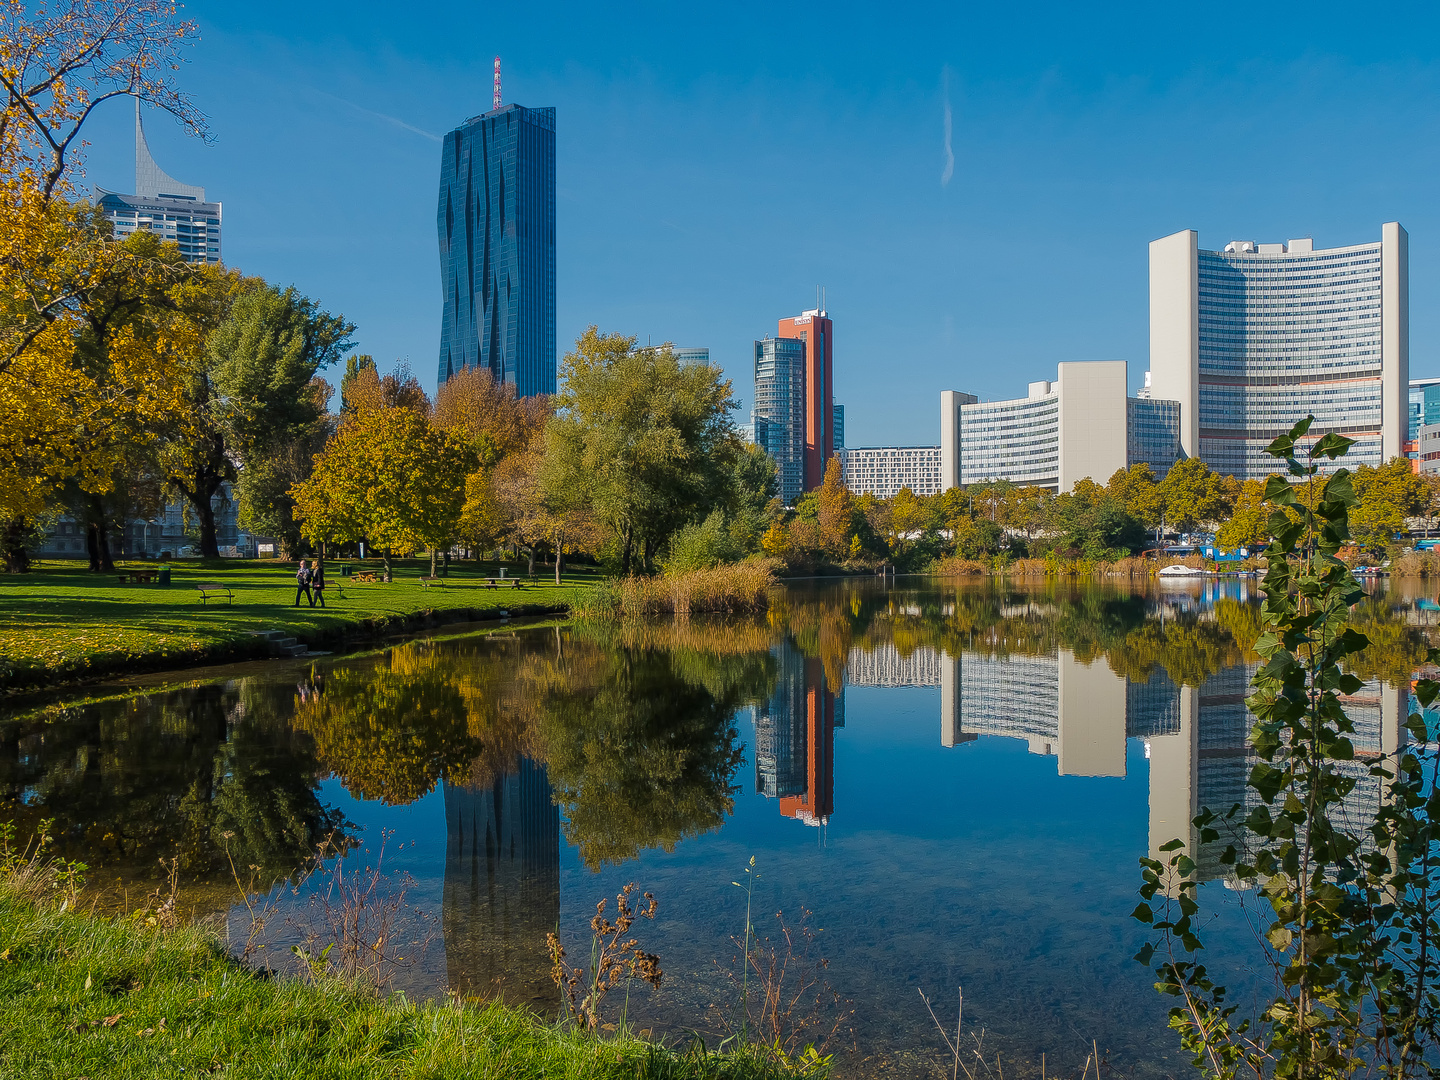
(253,397)
(387,478)
(58,266)
(646,439)
(1193,495)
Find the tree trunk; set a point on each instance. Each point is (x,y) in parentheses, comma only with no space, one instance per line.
(17,559)
(559,561)
(102,531)
(92,546)
(445,563)
(386,556)
(434,561)
(532,560)
(209,546)
(629,547)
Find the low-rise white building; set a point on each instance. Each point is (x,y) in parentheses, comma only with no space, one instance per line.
(884,470)
(1081,425)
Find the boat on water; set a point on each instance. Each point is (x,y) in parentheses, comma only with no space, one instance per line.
(1180,570)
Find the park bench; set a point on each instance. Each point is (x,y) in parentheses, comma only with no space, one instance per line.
(516,584)
(490,583)
(143,577)
(214,592)
(426,582)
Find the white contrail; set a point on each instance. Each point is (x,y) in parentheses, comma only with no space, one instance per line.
(382,116)
(949,169)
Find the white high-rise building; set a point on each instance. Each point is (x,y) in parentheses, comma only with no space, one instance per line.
(884,470)
(1253,338)
(164,206)
(1081,425)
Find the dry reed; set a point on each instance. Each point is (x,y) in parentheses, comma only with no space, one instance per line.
(735,588)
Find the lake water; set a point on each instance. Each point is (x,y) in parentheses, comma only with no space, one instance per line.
(955,780)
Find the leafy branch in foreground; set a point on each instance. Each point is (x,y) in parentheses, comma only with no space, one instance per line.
(1352,930)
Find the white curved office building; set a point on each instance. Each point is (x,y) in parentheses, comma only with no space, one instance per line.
(1252,338)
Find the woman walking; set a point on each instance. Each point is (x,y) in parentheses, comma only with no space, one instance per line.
(302,585)
(317,583)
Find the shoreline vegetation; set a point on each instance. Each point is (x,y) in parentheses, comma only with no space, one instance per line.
(118,996)
(63,626)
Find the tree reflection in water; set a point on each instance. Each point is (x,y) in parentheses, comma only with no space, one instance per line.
(625,736)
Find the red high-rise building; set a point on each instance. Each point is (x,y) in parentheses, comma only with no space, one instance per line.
(817,331)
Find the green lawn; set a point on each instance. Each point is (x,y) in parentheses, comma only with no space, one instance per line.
(82,996)
(63,622)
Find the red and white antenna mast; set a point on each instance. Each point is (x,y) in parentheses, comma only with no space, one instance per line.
(497,82)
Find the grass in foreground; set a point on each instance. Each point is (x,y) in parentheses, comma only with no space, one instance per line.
(84,996)
(64,622)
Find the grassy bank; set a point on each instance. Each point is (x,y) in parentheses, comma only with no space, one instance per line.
(83,996)
(63,623)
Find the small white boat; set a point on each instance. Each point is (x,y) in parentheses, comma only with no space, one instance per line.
(1179,570)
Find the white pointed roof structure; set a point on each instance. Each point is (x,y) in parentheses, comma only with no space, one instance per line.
(150,180)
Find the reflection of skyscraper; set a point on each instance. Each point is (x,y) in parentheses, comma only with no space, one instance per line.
(502,886)
(795,739)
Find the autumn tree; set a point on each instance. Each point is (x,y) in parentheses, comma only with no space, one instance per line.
(834,512)
(1192,495)
(387,478)
(1388,494)
(1138,492)
(1248,522)
(59,269)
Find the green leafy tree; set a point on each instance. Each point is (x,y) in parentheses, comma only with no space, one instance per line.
(646,439)
(252,399)
(1351,924)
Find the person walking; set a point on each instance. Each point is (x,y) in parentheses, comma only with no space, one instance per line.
(317,583)
(302,585)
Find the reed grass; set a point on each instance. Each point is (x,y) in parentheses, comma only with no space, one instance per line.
(736,588)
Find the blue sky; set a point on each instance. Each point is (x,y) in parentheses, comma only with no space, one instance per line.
(717,162)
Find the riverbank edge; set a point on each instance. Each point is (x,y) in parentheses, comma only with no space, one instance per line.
(90,995)
(242,646)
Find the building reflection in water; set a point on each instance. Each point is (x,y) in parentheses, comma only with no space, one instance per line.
(1080,713)
(795,738)
(502,886)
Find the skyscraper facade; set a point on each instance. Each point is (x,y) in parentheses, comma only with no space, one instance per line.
(778,418)
(816,330)
(496,221)
(162,205)
(1252,338)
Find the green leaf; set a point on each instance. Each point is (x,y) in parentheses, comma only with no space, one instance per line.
(1143,913)
(1145,954)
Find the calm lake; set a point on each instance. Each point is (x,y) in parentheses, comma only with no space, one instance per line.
(954,780)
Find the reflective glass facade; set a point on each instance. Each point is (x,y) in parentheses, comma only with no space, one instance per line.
(1015,440)
(1424,405)
(838,428)
(1282,335)
(497,248)
(778,418)
(1152,434)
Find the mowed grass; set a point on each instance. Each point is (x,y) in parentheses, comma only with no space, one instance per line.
(87,997)
(63,622)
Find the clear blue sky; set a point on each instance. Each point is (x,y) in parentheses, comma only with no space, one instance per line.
(717,162)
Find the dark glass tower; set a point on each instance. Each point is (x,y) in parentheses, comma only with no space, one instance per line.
(497,248)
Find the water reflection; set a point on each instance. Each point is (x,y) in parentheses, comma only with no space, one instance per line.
(502,886)
(913,723)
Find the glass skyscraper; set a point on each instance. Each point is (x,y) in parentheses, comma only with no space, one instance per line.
(778,418)
(1252,338)
(497,248)
(163,205)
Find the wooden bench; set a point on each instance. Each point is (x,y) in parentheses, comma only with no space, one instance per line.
(426,582)
(214,592)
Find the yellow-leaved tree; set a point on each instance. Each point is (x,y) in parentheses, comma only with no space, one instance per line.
(390,479)
(80,364)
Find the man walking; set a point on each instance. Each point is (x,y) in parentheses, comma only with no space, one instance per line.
(302,584)
(317,583)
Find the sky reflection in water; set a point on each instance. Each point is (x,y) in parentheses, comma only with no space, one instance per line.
(955,779)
